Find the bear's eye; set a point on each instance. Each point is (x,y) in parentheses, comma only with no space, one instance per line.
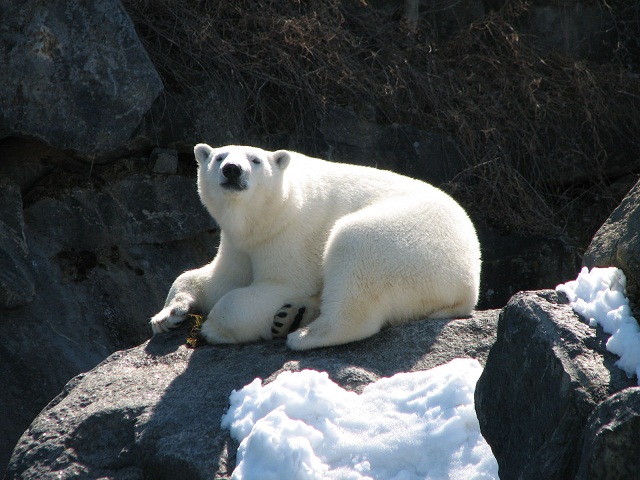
(220,157)
(255,160)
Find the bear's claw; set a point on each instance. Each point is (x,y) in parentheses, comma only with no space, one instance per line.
(168,319)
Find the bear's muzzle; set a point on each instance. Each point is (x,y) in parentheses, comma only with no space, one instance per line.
(232,172)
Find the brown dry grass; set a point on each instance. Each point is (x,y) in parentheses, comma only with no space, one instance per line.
(522,119)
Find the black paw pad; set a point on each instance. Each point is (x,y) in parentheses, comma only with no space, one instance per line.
(296,321)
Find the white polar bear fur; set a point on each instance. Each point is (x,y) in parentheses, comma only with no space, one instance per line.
(378,249)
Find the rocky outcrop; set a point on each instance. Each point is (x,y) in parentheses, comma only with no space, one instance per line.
(403,148)
(88,251)
(610,448)
(551,402)
(536,399)
(578,28)
(16,281)
(513,263)
(87,255)
(154,411)
(212,113)
(617,243)
(75,74)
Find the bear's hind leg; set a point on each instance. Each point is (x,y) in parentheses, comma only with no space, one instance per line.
(349,322)
(461,310)
(295,314)
(350,310)
(374,274)
(246,314)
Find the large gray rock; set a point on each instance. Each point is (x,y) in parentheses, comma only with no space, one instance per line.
(154,411)
(578,28)
(101,247)
(611,438)
(16,281)
(212,112)
(137,209)
(405,149)
(74,74)
(513,263)
(446,17)
(544,376)
(617,243)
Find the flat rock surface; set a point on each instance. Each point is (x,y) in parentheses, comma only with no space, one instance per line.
(154,411)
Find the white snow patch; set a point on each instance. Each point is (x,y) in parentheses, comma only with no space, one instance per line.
(411,426)
(599,296)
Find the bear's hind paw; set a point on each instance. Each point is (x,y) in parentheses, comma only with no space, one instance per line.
(286,320)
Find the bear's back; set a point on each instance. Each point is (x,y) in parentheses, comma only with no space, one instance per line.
(348,187)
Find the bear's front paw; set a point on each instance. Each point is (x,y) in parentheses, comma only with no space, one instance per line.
(287,319)
(172,315)
(166,320)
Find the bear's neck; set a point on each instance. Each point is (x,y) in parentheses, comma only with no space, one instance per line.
(249,228)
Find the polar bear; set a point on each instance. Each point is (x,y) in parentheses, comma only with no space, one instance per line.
(323,253)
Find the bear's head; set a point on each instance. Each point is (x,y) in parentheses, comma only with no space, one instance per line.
(239,173)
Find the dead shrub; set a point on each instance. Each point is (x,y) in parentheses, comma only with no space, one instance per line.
(523,119)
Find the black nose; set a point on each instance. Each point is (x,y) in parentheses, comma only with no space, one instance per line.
(231,171)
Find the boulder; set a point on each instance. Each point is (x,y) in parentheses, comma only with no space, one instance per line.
(444,16)
(610,448)
(212,112)
(546,378)
(513,263)
(154,411)
(353,138)
(165,160)
(137,209)
(617,243)
(576,28)
(76,76)
(16,281)
(96,250)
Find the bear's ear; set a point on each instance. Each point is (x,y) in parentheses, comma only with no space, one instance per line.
(281,158)
(202,152)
